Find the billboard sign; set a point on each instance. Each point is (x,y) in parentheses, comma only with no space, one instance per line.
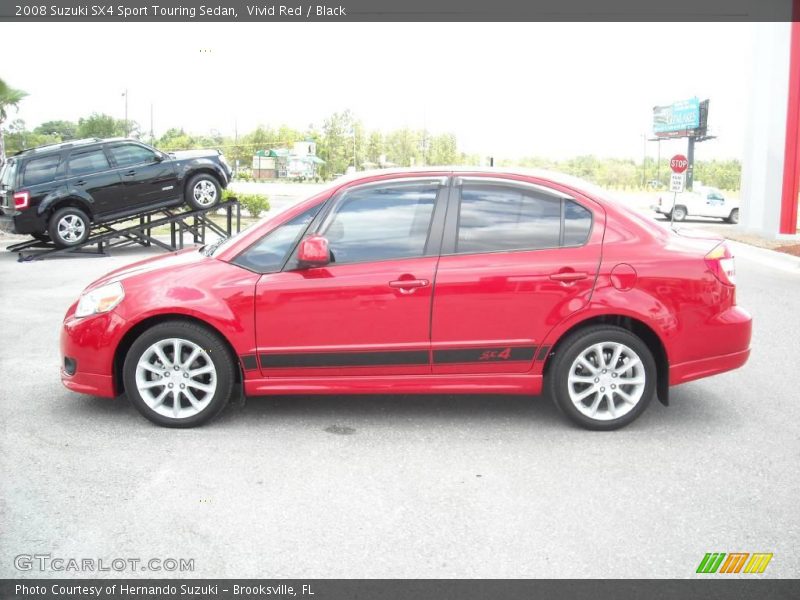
(678,116)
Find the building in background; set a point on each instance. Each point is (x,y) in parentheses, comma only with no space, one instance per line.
(299,162)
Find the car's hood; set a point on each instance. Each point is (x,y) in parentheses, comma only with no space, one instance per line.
(202,153)
(149,265)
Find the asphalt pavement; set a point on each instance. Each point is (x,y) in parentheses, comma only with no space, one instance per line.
(396,486)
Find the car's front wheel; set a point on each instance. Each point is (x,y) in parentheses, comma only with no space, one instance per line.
(678,213)
(602,377)
(69,227)
(179,374)
(733,217)
(203,191)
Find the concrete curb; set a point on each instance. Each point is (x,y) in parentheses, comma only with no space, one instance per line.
(770,258)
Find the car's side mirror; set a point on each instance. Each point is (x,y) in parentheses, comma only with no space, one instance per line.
(159,158)
(314,252)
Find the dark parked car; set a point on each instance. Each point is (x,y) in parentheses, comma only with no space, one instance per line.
(59,191)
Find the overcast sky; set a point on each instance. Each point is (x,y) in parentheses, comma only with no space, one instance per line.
(507,90)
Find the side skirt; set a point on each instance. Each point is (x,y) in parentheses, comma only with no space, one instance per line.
(490,383)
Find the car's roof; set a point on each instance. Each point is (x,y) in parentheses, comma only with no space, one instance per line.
(59,146)
(553,176)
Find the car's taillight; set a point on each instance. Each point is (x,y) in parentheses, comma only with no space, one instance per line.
(22,200)
(721,263)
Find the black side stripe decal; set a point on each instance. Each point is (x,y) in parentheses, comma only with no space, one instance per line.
(397,357)
(543,352)
(249,362)
(468,355)
(345,359)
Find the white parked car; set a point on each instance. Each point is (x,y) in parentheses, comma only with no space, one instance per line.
(703,201)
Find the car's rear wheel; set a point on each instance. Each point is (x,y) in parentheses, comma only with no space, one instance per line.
(602,377)
(69,227)
(203,191)
(179,374)
(734,216)
(678,213)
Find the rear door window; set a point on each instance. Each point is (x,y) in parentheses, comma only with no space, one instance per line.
(91,161)
(40,170)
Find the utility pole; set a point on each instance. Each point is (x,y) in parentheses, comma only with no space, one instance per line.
(644,160)
(125,95)
(690,158)
(152,135)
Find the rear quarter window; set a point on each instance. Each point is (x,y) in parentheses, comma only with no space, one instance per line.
(40,170)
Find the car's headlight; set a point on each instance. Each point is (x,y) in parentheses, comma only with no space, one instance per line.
(100,300)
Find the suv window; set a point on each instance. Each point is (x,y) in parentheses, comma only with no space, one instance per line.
(40,170)
(7,174)
(496,218)
(91,161)
(126,155)
(269,253)
(381,222)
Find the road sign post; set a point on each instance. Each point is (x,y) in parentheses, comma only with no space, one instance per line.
(677,181)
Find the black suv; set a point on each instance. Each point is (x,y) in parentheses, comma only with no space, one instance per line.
(56,192)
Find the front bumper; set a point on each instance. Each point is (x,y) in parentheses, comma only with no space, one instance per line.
(87,352)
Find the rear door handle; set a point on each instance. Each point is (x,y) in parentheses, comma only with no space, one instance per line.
(569,276)
(407,286)
(130,173)
(80,182)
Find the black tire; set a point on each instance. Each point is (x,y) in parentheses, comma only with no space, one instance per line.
(679,213)
(733,218)
(558,385)
(200,199)
(69,227)
(216,353)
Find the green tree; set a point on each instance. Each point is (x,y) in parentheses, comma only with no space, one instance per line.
(9,98)
(65,130)
(104,126)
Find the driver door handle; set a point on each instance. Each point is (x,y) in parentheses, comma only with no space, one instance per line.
(407,286)
(568,276)
(130,173)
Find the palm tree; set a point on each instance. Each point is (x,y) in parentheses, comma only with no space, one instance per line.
(9,97)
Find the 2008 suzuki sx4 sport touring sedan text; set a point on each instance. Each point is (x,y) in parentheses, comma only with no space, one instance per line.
(418,281)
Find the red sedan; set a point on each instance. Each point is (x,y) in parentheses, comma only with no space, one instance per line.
(418,281)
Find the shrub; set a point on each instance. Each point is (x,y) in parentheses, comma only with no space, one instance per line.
(255,204)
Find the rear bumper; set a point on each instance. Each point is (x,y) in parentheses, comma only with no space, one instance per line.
(697,369)
(731,332)
(22,224)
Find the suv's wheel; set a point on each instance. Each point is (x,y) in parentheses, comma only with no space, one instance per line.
(203,191)
(69,227)
(178,374)
(679,213)
(734,216)
(602,377)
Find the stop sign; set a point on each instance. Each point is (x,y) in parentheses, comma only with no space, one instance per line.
(678,163)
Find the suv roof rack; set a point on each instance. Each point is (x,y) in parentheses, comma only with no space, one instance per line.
(59,145)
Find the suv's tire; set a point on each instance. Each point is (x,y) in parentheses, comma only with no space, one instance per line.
(590,393)
(203,191)
(678,213)
(153,378)
(733,217)
(69,227)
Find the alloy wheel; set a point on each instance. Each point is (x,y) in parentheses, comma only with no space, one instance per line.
(606,381)
(176,378)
